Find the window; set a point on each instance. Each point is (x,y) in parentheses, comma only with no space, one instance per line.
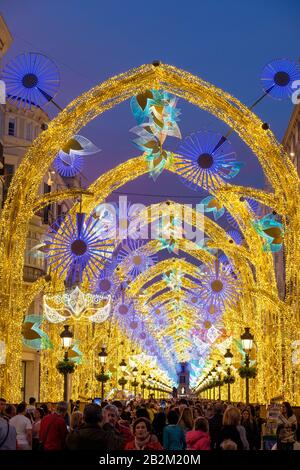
(28,131)
(11,126)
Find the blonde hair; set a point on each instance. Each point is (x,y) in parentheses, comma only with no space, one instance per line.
(228,444)
(232,417)
(76,419)
(186,418)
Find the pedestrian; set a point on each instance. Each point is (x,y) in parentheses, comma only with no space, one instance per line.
(250,427)
(76,421)
(159,424)
(232,429)
(9,412)
(186,420)
(198,438)
(23,428)
(38,416)
(8,435)
(53,429)
(287,427)
(91,436)
(173,435)
(215,424)
(2,406)
(111,416)
(144,439)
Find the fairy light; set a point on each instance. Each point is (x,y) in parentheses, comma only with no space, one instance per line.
(260,313)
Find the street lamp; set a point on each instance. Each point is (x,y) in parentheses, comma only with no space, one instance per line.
(123,365)
(143,376)
(209,384)
(219,369)
(102,359)
(134,383)
(214,373)
(228,360)
(66,338)
(247,343)
(122,380)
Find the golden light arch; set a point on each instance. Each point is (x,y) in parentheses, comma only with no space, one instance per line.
(22,196)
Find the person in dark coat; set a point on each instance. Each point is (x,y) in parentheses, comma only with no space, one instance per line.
(90,436)
(250,427)
(215,424)
(159,423)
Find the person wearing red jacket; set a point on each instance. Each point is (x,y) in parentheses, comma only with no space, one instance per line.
(143,439)
(198,438)
(53,429)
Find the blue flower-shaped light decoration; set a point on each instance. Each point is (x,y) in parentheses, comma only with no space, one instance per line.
(107,282)
(31,79)
(236,236)
(70,159)
(68,170)
(136,258)
(278,77)
(218,287)
(76,248)
(206,159)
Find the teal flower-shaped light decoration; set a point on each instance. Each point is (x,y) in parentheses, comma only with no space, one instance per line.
(271,231)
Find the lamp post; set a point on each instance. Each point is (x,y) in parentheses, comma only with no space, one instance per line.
(67,339)
(134,383)
(219,370)
(214,373)
(247,342)
(228,360)
(143,376)
(122,380)
(102,360)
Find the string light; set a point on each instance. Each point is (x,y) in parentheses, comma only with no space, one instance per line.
(273,322)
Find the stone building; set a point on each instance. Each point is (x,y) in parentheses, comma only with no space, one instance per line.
(18,128)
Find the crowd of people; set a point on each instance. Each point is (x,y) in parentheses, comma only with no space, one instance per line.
(174,424)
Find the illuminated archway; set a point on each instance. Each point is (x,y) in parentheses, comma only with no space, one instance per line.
(22,196)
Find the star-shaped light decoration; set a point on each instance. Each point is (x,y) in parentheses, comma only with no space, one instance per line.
(213,334)
(173,279)
(272,231)
(33,336)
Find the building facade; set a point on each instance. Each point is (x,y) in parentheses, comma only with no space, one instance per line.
(18,129)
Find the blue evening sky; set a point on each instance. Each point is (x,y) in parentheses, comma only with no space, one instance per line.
(225,42)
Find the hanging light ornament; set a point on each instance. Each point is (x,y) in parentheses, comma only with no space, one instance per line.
(271,231)
(203,162)
(32,334)
(156,115)
(219,289)
(211,204)
(31,79)
(70,159)
(278,76)
(78,305)
(76,248)
(135,258)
